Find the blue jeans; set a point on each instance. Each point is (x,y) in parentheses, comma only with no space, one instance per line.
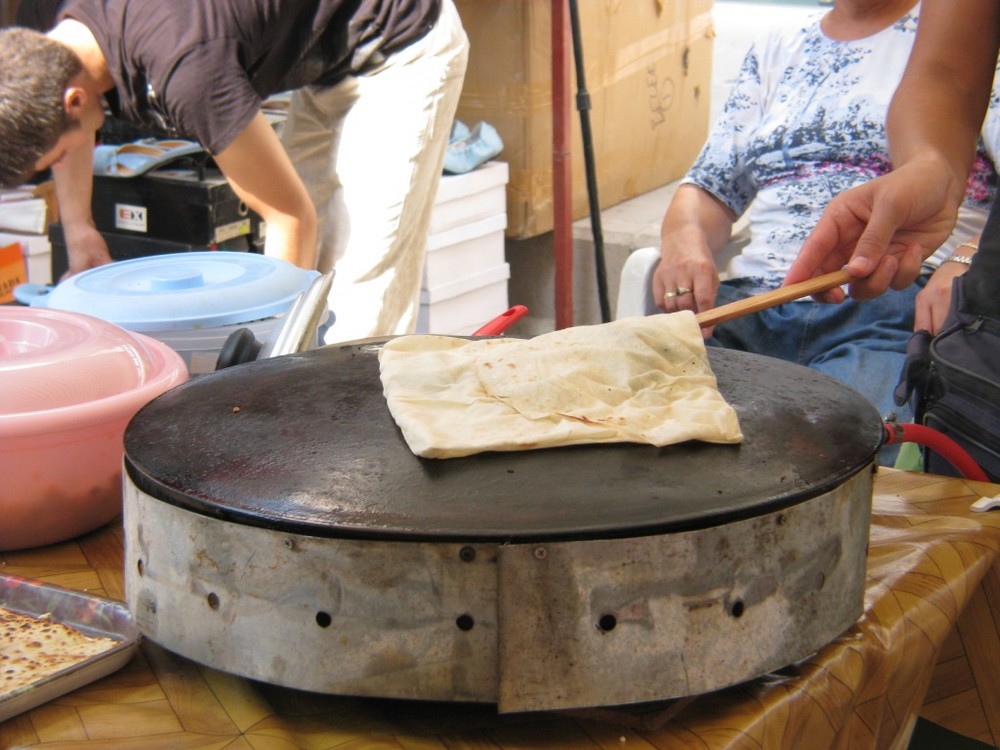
(862,344)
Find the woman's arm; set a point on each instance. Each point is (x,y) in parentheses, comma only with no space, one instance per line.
(697,225)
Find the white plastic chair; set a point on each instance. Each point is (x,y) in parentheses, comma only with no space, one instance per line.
(635,293)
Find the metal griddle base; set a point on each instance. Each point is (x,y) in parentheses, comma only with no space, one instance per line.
(302,546)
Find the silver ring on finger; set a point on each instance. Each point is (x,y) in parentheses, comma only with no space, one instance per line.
(678,292)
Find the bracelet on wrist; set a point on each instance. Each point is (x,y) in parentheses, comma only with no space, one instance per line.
(971,245)
(965,260)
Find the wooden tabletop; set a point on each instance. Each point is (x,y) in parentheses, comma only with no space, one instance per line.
(930,559)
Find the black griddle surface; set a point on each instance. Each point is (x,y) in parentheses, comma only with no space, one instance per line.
(305,444)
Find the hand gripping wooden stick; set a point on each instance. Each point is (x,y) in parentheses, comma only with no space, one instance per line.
(775,297)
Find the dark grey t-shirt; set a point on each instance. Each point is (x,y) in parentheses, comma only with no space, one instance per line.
(200,68)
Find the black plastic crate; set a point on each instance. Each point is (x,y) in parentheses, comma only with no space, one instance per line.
(191,206)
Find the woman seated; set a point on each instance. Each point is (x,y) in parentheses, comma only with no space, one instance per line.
(805,121)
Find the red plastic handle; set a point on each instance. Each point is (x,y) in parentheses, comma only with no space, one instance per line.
(502,322)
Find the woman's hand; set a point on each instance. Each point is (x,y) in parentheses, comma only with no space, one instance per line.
(695,226)
(686,278)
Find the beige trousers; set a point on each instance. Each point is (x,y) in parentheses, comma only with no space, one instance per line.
(370,152)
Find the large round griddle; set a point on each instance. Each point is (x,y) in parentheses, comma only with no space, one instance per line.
(277,526)
(305,444)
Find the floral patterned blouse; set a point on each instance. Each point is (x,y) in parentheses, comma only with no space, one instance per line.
(805,121)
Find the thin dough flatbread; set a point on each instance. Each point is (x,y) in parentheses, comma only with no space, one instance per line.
(642,380)
(33,648)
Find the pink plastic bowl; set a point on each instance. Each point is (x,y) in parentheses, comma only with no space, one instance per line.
(69,384)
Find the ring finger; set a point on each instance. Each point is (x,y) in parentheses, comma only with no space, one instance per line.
(679,298)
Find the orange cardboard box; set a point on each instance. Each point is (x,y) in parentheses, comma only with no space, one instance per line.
(13,271)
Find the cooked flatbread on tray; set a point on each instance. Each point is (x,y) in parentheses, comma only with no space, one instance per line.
(33,648)
(638,380)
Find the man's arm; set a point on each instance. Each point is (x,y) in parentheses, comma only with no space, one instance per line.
(261,173)
(937,110)
(934,300)
(883,229)
(74,181)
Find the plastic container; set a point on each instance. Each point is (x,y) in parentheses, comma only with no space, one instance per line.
(190,301)
(71,383)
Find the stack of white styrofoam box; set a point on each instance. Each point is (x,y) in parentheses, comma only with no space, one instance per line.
(465,275)
(24,219)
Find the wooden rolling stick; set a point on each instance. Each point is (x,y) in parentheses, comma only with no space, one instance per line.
(775,297)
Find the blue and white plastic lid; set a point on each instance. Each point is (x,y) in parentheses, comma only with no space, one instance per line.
(177,291)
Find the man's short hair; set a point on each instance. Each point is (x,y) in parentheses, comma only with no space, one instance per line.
(34,74)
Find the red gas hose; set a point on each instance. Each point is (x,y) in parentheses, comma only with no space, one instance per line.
(940,443)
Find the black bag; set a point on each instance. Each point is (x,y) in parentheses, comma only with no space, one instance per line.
(954,377)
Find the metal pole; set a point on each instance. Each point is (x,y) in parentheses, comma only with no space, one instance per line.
(583,106)
(562,185)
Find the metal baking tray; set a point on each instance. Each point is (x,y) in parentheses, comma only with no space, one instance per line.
(92,615)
